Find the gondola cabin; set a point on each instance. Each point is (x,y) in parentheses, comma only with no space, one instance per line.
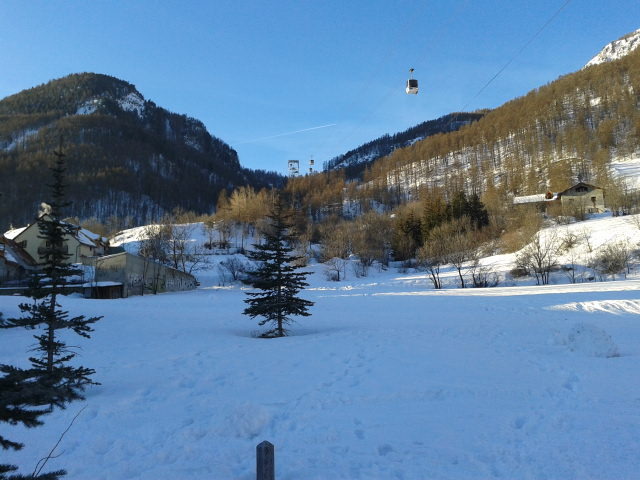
(412,84)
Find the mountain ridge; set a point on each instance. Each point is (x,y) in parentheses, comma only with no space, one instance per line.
(126,156)
(355,161)
(617,49)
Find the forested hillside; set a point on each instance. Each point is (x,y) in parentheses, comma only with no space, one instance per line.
(460,185)
(355,161)
(568,130)
(126,156)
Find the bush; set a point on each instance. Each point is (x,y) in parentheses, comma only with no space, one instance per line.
(335,269)
(539,257)
(483,276)
(612,259)
(568,241)
(233,268)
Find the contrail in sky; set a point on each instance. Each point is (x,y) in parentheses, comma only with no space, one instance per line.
(287,133)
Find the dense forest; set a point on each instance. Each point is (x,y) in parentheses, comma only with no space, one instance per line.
(565,131)
(126,156)
(356,161)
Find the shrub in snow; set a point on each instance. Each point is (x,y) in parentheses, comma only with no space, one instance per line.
(232,268)
(335,269)
(591,340)
(431,257)
(539,257)
(360,268)
(613,259)
(519,272)
(568,241)
(483,276)
(407,265)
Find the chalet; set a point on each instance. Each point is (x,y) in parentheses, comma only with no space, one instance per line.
(15,263)
(588,198)
(582,196)
(81,244)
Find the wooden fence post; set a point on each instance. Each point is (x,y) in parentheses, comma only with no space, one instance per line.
(265,462)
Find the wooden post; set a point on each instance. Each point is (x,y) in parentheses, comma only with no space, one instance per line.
(265,462)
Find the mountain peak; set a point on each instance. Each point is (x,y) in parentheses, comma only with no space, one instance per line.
(75,93)
(617,49)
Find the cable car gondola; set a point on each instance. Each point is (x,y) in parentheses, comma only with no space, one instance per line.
(412,84)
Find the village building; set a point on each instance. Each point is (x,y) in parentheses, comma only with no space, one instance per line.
(582,198)
(15,263)
(104,276)
(139,275)
(81,244)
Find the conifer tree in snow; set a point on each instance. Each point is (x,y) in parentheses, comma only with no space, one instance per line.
(44,312)
(276,278)
(24,397)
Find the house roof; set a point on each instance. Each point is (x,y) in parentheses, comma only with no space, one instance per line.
(11,252)
(579,184)
(537,198)
(11,234)
(84,236)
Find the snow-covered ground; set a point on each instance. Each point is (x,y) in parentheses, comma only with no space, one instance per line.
(388,379)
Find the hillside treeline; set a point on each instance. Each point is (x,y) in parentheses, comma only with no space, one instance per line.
(560,133)
(567,131)
(125,156)
(356,161)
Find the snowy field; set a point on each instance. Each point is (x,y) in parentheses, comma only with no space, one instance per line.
(388,379)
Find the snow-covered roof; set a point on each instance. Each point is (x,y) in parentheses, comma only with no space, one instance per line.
(13,253)
(11,234)
(89,238)
(537,198)
(84,236)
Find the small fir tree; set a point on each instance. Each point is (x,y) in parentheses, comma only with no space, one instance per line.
(44,312)
(24,397)
(276,278)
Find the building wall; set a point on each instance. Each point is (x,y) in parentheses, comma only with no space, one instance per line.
(141,276)
(591,201)
(31,236)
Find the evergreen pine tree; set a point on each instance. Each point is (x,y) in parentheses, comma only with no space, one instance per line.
(478,212)
(459,205)
(276,278)
(44,312)
(25,396)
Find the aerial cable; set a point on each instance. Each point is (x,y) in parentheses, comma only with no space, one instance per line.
(510,61)
(456,115)
(497,74)
(371,112)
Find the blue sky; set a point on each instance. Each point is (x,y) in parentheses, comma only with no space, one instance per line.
(254,71)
